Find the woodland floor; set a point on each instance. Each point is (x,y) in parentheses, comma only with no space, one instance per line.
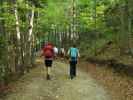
(118,83)
(34,86)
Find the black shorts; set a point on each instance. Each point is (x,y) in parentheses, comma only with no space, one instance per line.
(73,62)
(48,63)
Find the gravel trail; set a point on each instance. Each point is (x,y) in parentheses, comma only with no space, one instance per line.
(34,86)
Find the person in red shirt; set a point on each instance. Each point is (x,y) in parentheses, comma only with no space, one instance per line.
(48,53)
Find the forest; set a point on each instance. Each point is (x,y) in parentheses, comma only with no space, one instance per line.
(101,29)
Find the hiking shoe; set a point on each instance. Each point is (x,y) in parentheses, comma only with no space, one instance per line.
(71,77)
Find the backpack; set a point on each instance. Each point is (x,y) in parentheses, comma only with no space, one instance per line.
(73,53)
(48,51)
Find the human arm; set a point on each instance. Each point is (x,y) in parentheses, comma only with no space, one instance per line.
(78,54)
(41,53)
(68,53)
(43,49)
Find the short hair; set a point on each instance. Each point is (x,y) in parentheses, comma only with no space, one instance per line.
(74,45)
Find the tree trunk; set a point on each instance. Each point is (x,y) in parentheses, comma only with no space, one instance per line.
(30,40)
(19,54)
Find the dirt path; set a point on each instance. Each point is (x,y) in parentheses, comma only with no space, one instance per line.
(34,86)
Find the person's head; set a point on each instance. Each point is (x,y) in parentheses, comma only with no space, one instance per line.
(48,43)
(74,45)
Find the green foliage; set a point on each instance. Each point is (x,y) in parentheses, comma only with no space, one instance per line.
(3,59)
(2,48)
(96,21)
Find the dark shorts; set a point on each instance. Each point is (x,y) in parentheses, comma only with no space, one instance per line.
(48,63)
(73,62)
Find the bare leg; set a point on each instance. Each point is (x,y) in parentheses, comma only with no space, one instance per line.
(48,72)
(47,75)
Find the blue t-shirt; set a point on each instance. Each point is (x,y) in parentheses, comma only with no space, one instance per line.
(73,54)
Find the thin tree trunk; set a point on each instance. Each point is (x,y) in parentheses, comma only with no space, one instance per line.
(30,40)
(31,24)
(17,23)
(130,33)
(124,32)
(95,21)
(17,58)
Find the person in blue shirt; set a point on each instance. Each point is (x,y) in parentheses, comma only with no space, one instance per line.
(73,53)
